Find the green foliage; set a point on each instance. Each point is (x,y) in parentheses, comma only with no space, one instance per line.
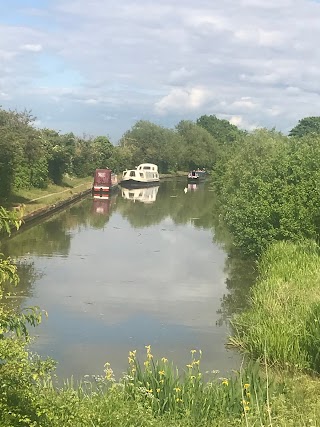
(306,126)
(199,146)
(269,189)
(222,130)
(148,142)
(282,322)
(167,391)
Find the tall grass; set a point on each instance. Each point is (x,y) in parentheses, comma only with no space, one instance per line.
(151,393)
(283,319)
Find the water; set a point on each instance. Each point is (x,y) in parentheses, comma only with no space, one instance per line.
(116,275)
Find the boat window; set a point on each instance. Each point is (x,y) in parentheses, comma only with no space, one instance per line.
(146,167)
(141,174)
(132,173)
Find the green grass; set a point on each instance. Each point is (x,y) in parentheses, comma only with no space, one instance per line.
(35,198)
(154,393)
(282,323)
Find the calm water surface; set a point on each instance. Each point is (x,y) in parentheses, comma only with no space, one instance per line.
(116,275)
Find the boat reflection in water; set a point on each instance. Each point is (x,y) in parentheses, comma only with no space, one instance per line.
(102,204)
(193,187)
(144,195)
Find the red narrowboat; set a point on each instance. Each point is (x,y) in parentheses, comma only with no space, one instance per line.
(104,181)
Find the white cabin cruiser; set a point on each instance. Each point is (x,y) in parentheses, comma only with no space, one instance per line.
(144,175)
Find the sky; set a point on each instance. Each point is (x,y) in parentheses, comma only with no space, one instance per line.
(96,67)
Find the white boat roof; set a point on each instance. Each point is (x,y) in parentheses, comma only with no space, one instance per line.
(149,165)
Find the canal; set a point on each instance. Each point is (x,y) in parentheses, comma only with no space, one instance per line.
(140,268)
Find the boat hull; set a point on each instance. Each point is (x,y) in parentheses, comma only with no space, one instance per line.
(132,183)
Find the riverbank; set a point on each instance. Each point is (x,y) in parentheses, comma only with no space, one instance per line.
(36,202)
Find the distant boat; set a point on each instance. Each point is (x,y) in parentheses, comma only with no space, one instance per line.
(104,181)
(197,175)
(145,195)
(144,175)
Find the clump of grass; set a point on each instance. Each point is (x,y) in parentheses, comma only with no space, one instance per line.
(166,391)
(282,322)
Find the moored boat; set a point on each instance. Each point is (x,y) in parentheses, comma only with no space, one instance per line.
(104,181)
(144,175)
(196,175)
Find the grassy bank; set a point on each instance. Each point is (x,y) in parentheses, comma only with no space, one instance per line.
(34,199)
(283,322)
(154,393)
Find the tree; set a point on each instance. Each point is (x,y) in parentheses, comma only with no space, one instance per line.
(199,146)
(222,130)
(150,143)
(306,126)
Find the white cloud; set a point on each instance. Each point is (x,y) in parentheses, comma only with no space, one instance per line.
(32,47)
(182,100)
(254,59)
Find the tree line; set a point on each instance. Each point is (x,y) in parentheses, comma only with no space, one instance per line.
(33,157)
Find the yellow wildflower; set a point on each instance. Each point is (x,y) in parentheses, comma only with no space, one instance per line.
(177,389)
(189,366)
(246,386)
(225,382)
(146,363)
(150,356)
(130,360)
(148,347)
(193,351)
(193,377)
(150,391)
(161,373)
(161,381)
(132,353)
(246,408)
(196,362)
(164,360)
(158,390)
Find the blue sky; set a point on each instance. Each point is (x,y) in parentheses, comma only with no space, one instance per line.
(98,66)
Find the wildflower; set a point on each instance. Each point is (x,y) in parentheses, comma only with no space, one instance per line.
(150,391)
(146,363)
(248,394)
(246,386)
(225,382)
(193,377)
(164,360)
(196,362)
(193,351)
(177,389)
(158,390)
(246,408)
(130,360)
(132,353)
(161,381)
(150,356)
(189,366)
(161,373)
(148,347)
